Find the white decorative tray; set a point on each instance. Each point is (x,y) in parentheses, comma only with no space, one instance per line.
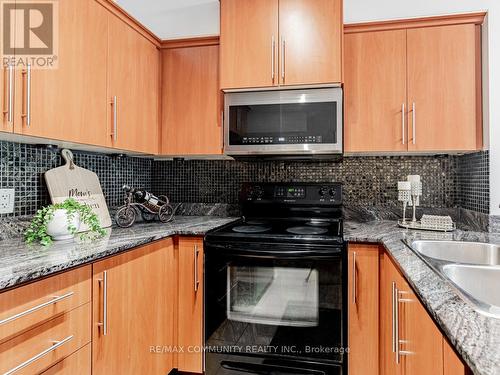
(417,225)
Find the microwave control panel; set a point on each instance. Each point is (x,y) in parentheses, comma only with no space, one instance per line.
(285,140)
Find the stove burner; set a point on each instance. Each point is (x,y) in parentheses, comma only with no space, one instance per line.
(306,230)
(251,228)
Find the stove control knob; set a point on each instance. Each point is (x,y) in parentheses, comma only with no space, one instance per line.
(333,192)
(323,191)
(257,192)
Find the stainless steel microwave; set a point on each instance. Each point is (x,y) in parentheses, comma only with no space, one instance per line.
(284,122)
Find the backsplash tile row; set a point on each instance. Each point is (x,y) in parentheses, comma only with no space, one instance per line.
(22,167)
(449,181)
(367,181)
(473,182)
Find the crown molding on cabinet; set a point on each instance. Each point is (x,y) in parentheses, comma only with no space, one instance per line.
(476,18)
(190,42)
(121,13)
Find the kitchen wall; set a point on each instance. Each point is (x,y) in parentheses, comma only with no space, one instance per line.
(207,23)
(460,183)
(22,167)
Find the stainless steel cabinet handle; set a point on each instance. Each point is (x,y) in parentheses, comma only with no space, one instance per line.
(399,300)
(114,103)
(283,50)
(27,115)
(414,116)
(55,345)
(196,280)
(273,53)
(104,323)
(403,115)
(10,96)
(354,286)
(393,317)
(53,301)
(396,325)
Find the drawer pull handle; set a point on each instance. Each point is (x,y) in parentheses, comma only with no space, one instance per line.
(55,345)
(196,280)
(54,300)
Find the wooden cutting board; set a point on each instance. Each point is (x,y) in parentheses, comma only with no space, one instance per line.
(71,181)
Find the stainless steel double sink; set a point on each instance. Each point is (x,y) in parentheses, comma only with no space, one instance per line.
(473,268)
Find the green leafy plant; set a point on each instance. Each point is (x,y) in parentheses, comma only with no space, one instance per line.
(37,230)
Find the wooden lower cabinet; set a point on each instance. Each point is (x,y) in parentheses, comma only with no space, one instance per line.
(190,311)
(69,332)
(410,341)
(133,309)
(363,304)
(78,363)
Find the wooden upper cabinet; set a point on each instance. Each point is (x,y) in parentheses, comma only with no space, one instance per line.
(375,91)
(191,121)
(267,43)
(133,311)
(69,102)
(444,88)
(311,36)
(363,296)
(7,76)
(190,313)
(247,51)
(133,89)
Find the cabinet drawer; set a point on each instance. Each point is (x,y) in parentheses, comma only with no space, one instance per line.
(77,363)
(26,307)
(36,350)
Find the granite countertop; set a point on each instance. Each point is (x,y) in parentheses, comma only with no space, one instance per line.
(475,336)
(20,263)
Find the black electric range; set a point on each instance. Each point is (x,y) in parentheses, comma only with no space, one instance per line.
(276,284)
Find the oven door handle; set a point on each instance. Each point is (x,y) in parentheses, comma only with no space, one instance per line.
(284,252)
(261,369)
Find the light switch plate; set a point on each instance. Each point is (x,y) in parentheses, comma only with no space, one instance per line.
(7,201)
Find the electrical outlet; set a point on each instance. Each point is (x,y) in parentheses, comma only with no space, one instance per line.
(7,201)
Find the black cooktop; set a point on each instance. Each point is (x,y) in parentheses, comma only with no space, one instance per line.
(281,230)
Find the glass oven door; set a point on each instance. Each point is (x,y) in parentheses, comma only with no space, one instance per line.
(287,121)
(275,308)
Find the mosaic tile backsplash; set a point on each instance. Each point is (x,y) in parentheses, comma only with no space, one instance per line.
(22,167)
(449,181)
(369,181)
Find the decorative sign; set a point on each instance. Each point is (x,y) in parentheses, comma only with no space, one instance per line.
(72,181)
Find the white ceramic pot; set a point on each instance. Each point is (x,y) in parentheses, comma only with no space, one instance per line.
(57,228)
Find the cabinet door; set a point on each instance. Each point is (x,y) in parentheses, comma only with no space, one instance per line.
(7,79)
(190,327)
(420,337)
(190,101)
(311,35)
(453,365)
(133,307)
(363,309)
(389,278)
(69,102)
(443,88)
(249,43)
(375,91)
(133,89)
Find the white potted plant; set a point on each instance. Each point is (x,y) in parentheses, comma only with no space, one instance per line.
(61,221)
